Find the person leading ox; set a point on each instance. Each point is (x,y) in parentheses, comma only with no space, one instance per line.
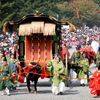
(58,75)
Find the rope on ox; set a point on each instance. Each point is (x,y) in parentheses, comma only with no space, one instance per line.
(66,77)
(51,75)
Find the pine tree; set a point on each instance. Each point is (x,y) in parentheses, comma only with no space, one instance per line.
(75,11)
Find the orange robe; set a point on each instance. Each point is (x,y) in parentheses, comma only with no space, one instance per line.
(95,83)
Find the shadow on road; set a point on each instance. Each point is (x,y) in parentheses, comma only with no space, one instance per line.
(44,91)
(71,92)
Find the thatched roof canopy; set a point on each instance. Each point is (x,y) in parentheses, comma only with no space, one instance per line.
(35,23)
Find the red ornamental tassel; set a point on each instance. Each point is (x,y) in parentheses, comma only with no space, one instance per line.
(21,79)
(14,77)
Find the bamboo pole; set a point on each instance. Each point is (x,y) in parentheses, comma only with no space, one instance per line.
(66,60)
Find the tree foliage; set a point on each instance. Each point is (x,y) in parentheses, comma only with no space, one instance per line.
(76,11)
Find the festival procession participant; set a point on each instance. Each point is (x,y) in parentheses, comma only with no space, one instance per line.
(63,53)
(95,79)
(95,83)
(84,67)
(58,75)
(12,63)
(5,78)
(74,67)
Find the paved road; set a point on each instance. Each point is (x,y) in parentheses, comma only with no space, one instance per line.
(44,93)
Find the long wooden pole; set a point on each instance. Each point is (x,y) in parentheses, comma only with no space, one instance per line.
(66,60)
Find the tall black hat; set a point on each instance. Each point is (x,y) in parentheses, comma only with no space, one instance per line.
(4,59)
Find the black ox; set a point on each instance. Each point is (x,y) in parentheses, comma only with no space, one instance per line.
(33,74)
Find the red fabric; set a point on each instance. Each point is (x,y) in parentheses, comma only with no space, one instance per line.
(14,77)
(90,53)
(21,75)
(63,53)
(45,73)
(95,83)
(88,49)
(63,50)
(27,70)
(21,79)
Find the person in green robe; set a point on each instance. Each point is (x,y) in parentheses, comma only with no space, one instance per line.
(5,78)
(84,67)
(58,75)
(75,57)
(12,63)
(73,67)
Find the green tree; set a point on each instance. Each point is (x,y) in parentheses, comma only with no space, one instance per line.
(85,11)
(75,11)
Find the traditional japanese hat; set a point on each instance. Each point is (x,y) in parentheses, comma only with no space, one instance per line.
(4,59)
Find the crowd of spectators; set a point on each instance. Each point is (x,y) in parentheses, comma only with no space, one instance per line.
(81,36)
(8,42)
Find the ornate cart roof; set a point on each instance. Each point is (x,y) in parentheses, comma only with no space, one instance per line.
(36,23)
